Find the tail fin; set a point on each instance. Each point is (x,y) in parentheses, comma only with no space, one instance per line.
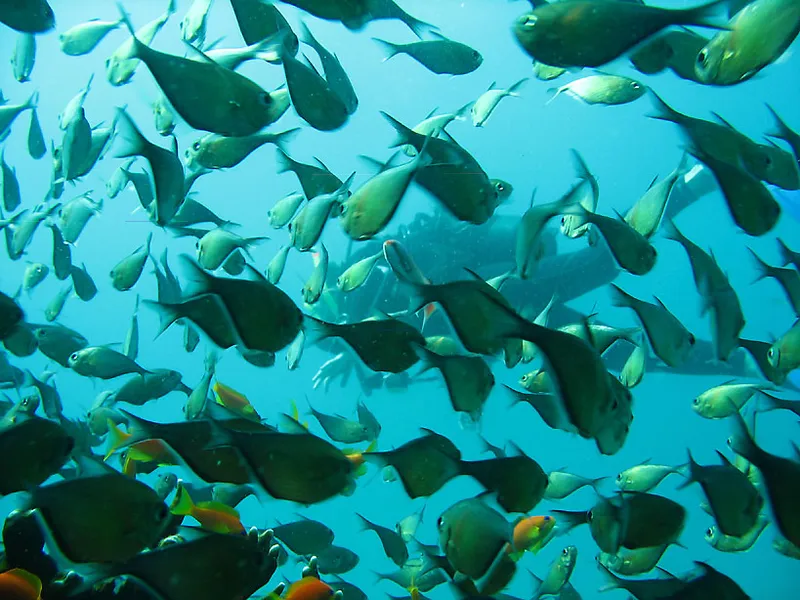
(390,48)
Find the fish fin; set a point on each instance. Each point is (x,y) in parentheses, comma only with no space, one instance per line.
(390,48)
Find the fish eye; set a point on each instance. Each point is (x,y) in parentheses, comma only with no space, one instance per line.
(529,21)
(702,57)
(635,85)
(619,476)
(524,378)
(439,521)
(266,99)
(565,552)
(590,516)
(710,532)
(500,187)
(73,356)
(692,340)
(696,402)
(547,518)
(196,146)
(563,220)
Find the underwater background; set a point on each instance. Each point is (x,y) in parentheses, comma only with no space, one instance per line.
(527,142)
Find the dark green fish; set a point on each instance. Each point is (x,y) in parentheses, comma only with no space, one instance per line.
(259,20)
(781,479)
(393,544)
(472,536)
(28,16)
(207,96)
(206,311)
(518,481)
(39,447)
(734,500)
(335,75)
(335,560)
(10,315)
(264,317)
(190,440)
(165,166)
(209,566)
(386,345)
(591,33)
(724,143)
(305,536)
(299,467)
(354,14)
(315,180)
(750,203)
(440,56)
(83,283)
(469,380)
(312,97)
(424,464)
(58,342)
(453,176)
(102,518)
(62,254)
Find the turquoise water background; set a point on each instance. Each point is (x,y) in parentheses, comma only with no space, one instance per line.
(527,143)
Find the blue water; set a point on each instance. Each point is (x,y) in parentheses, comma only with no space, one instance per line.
(525,143)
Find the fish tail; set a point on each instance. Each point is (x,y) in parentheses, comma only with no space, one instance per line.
(134,141)
(581,169)
(671,231)
(619,297)
(693,473)
(555,93)
(783,132)
(404,134)
(741,442)
(764,270)
(390,48)
(786,253)
(614,582)
(116,438)
(284,137)
(167,314)
(33,100)
(182,504)
(664,112)
(285,162)
(512,91)
(706,15)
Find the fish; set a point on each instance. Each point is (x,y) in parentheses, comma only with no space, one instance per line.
(313,288)
(213,151)
(646,214)
(312,97)
(783,354)
(306,227)
(440,55)
(735,502)
(213,516)
(233,104)
(644,477)
(19,584)
(594,32)
(314,180)
(370,208)
(356,274)
(559,573)
(121,65)
(602,89)
(165,166)
(668,337)
(103,362)
(284,209)
(83,38)
(755,37)
(724,400)
(335,75)
(35,16)
(24,57)
(781,478)
(127,272)
(487,102)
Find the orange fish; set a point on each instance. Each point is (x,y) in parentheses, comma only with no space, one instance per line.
(308,588)
(213,516)
(531,534)
(235,401)
(18,584)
